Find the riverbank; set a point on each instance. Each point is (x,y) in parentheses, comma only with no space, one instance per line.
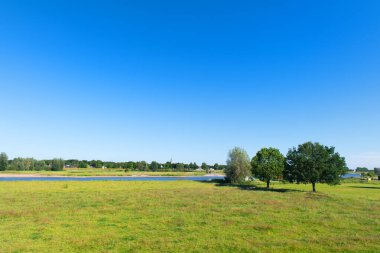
(99,173)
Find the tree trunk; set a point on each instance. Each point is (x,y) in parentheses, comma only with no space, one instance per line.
(313,183)
(268,184)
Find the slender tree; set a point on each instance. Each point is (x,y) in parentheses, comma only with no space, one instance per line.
(314,163)
(57,164)
(268,164)
(205,167)
(238,165)
(3,161)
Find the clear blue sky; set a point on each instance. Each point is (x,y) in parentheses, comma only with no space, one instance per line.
(188,80)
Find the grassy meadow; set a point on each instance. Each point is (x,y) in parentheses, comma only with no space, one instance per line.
(187,216)
(76,172)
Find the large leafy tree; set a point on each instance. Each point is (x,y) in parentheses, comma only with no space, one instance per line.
(238,165)
(3,161)
(314,163)
(268,164)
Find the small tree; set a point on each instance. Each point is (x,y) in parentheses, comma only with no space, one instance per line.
(83,164)
(142,166)
(371,174)
(238,165)
(205,167)
(57,164)
(313,163)
(180,167)
(3,161)
(154,166)
(216,166)
(268,164)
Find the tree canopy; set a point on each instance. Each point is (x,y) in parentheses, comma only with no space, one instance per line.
(3,161)
(205,167)
(361,169)
(238,165)
(57,164)
(314,163)
(268,164)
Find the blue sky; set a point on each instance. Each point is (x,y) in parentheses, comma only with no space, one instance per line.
(188,80)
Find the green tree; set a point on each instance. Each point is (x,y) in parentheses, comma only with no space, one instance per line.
(314,163)
(154,166)
(238,165)
(216,166)
(23,164)
(268,164)
(205,167)
(83,164)
(142,166)
(3,161)
(180,167)
(40,165)
(361,169)
(371,174)
(57,164)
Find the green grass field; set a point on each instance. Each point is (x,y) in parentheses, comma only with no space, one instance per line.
(104,172)
(186,216)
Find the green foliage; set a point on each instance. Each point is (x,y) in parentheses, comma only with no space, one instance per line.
(3,161)
(238,165)
(205,167)
(96,164)
(361,169)
(83,164)
(180,167)
(312,163)
(28,164)
(40,165)
(193,166)
(57,164)
(371,174)
(216,166)
(142,166)
(154,166)
(268,164)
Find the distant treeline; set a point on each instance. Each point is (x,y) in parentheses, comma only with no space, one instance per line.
(59,164)
(30,164)
(141,165)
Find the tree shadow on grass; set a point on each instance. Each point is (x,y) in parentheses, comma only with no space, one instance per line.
(247,187)
(366,187)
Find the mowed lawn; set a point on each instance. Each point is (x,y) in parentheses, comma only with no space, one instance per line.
(186,216)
